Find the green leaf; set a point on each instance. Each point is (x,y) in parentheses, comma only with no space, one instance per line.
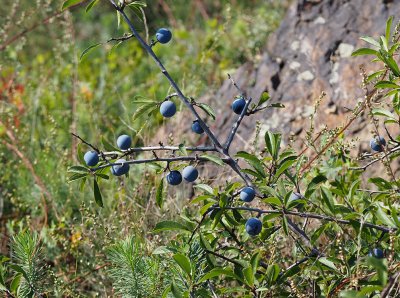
(3,287)
(15,283)
(381,183)
(393,48)
(263,98)
(325,261)
(69,3)
(388,27)
(182,148)
(166,292)
(184,262)
(76,176)
(384,43)
(118,19)
(392,65)
(277,105)
(285,165)
(107,146)
(386,84)
(90,5)
(383,112)
(97,194)
(364,51)
(285,225)
(176,291)
(19,269)
(103,176)
(216,272)
(375,74)
(380,266)
(161,250)
(312,186)
(204,187)
(80,153)
(213,158)
(137,4)
(253,161)
(273,201)
(370,40)
(249,276)
(78,169)
(206,108)
(255,260)
(89,49)
(272,273)
(146,108)
(328,199)
(159,193)
(202,198)
(384,218)
(272,142)
(350,294)
(142,100)
(170,225)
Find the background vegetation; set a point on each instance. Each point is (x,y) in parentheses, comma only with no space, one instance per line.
(46,92)
(327,230)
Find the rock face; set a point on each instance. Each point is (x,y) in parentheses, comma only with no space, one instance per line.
(309,54)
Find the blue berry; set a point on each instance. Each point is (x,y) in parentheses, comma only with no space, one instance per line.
(377,144)
(163,35)
(174,178)
(119,170)
(91,158)
(124,142)
(238,105)
(247,194)
(190,173)
(377,253)
(168,109)
(197,128)
(253,226)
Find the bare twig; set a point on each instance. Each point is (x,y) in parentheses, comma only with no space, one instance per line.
(395,149)
(122,38)
(160,159)
(83,141)
(310,215)
(236,125)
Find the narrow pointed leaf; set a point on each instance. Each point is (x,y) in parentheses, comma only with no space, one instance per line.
(97,194)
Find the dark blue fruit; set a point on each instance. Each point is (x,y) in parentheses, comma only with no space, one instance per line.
(253,226)
(197,128)
(247,194)
(377,253)
(174,178)
(377,144)
(168,109)
(119,170)
(124,142)
(238,105)
(163,35)
(91,158)
(190,173)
